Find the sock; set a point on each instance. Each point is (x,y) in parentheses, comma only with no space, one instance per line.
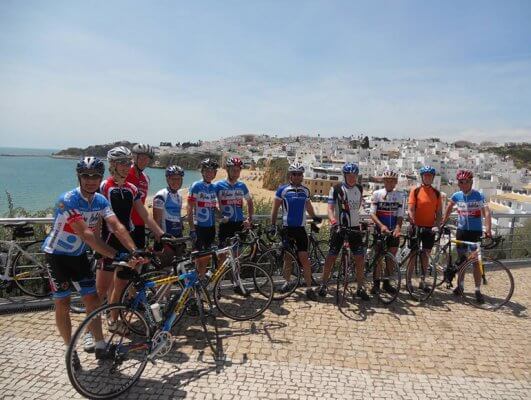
(477,288)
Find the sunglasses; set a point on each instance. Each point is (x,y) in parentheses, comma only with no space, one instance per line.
(91,176)
(461,181)
(296,174)
(123,162)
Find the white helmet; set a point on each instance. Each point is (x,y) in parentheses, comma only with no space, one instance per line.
(119,153)
(296,167)
(141,148)
(390,173)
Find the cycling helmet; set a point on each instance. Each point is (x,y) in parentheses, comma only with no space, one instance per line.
(209,163)
(141,148)
(233,162)
(464,174)
(296,167)
(390,173)
(119,153)
(90,164)
(174,170)
(427,169)
(350,168)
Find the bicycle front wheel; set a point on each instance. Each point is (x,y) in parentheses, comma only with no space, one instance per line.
(29,271)
(245,294)
(496,283)
(279,264)
(209,322)
(345,276)
(388,274)
(111,371)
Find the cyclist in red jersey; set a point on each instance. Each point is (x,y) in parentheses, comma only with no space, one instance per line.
(142,156)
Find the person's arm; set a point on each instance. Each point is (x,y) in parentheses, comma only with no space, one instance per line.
(309,209)
(142,211)
(190,210)
(438,213)
(274,211)
(120,232)
(447,212)
(250,211)
(158,209)
(485,212)
(374,217)
(81,229)
(157,216)
(411,205)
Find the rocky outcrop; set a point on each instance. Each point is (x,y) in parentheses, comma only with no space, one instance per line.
(99,150)
(275,173)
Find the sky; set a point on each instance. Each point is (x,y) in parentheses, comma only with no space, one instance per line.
(76,73)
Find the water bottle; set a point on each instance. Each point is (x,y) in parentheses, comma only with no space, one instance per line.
(155,309)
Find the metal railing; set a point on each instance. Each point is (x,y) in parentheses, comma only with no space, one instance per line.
(515,228)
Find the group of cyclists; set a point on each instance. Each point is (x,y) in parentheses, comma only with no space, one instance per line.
(110,216)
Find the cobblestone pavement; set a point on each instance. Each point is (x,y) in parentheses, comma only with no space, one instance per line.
(302,350)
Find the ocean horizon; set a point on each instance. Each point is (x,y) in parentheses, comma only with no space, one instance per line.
(35,181)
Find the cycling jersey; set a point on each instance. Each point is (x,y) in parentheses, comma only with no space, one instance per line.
(427,203)
(170,204)
(142,184)
(347,202)
(388,207)
(294,200)
(72,207)
(231,198)
(203,195)
(121,199)
(469,208)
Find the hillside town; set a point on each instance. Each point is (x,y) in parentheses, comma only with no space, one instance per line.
(506,187)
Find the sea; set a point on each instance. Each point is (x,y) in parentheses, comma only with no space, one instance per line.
(35,179)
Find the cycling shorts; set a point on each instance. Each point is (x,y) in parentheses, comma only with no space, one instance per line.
(139,236)
(355,241)
(425,235)
(468,236)
(106,264)
(66,271)
(390,241)
(295,234)
(206,235)
(227,231)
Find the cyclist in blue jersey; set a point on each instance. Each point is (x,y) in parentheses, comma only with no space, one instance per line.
(471,208)
(231,195)
(344,202)
(167,203)
(202,206)
(387,213)
(294,198)
(78,215)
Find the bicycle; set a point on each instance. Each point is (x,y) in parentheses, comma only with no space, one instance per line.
(420,282)
(241,290)
(117,367)
(388,273)
(495,279)
(23,264)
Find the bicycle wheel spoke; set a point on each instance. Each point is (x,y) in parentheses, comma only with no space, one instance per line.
(277,263)
(389,278)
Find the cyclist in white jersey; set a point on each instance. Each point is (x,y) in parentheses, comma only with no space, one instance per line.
(344,202)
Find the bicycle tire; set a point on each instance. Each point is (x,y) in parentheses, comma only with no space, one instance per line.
(497,293)
(414,279)
(32,279)
(272,261)
(391,275)
(342,282)
(93,376)
(317,252)
(440,262)
(208,322)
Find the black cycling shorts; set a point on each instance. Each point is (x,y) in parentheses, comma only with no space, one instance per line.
(205,237)
(426,236)
(355,241)
(227,231)
(64,271)
(139,236)
(298,235)
(468,236)
(105,264)
(390,241)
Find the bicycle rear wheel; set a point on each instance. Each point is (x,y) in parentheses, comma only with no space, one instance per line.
(29,271)
(497,284)
(274,262)
(389,276)
(343,290)
(244,295)
(420,284)
(119,365)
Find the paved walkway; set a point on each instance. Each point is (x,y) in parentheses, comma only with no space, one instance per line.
(302,350)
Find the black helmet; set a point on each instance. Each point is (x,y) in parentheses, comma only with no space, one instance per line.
(174,170)
(90,164)
(209,163)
